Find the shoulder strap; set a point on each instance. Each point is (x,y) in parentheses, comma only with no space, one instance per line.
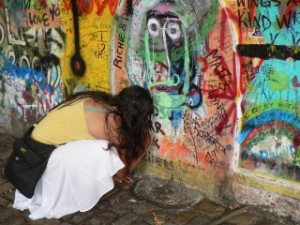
(95,109)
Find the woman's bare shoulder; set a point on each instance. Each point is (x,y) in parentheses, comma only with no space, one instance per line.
(95,118)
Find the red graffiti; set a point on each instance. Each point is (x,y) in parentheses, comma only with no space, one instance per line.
(43,3)
(85,7)
(295,82)
(224,69)
(112,4)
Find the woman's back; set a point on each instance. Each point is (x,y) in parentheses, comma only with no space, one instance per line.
(62,125)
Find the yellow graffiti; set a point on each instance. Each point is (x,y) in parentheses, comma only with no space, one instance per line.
(94,47)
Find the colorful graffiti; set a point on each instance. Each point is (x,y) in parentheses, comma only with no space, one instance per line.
(168,53)
(224,74)
(167,44)
(30,70)
(240,66)
(269,134)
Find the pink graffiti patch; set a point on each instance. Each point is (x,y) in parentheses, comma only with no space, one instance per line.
(163,8)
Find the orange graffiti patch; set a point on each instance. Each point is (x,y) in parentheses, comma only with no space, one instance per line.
(172,150)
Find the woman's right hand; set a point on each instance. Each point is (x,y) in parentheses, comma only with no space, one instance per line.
(120,178)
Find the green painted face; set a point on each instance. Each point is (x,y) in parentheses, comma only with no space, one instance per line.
(166,103)
(164,38)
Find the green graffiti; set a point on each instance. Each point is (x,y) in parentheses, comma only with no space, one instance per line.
(298,155)
(285,106)
(165,103)
(209,23)
(278,81)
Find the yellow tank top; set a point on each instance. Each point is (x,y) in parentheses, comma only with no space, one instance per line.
(62,125)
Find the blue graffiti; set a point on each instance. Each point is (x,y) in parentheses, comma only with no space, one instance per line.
(29,74)
(270,154)
(268,116)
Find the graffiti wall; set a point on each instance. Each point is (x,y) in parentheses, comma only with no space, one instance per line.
(268,50)
(50,49)
(31,43)
(224,74)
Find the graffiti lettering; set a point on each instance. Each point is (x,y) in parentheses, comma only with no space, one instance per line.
(256,3)
(160,162)
(120,47)
(121,39)
(218,66)
(246,19)
(35,19)
(157,126)
(100,50)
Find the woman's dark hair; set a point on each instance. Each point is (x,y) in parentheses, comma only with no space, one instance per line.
(134,106)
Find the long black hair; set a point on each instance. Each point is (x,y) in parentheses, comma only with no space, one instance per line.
(134,107)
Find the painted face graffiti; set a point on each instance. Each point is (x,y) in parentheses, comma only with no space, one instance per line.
(169,65)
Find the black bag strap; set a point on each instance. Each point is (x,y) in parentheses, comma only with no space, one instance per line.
(32,150)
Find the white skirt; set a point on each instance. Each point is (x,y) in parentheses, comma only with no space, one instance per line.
(78,174)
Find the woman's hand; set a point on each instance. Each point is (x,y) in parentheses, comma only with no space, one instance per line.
(122,176)
(125,179)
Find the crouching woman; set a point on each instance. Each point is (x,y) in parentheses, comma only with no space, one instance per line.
(91,140)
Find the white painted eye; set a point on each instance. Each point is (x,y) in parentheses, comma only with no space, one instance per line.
(153,27)
(173,30)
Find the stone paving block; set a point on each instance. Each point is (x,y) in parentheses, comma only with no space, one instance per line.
(68,217)
(15,221)
(45,222)
(246,218)
(210,208)
(168,223)
(201,219)
(4,202)
(140,223)
(5,154)
(140,209)
(149,218)
(7,213)
(164,214)
(10,195)
(102,218)
(2,165)
(122,207)
(126,219)
(80,217)
(116,197)
(102,204)
(5,188)
(265,222)
(2,181)
(183,217)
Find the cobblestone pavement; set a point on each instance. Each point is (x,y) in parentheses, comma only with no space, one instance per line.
(139,204)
